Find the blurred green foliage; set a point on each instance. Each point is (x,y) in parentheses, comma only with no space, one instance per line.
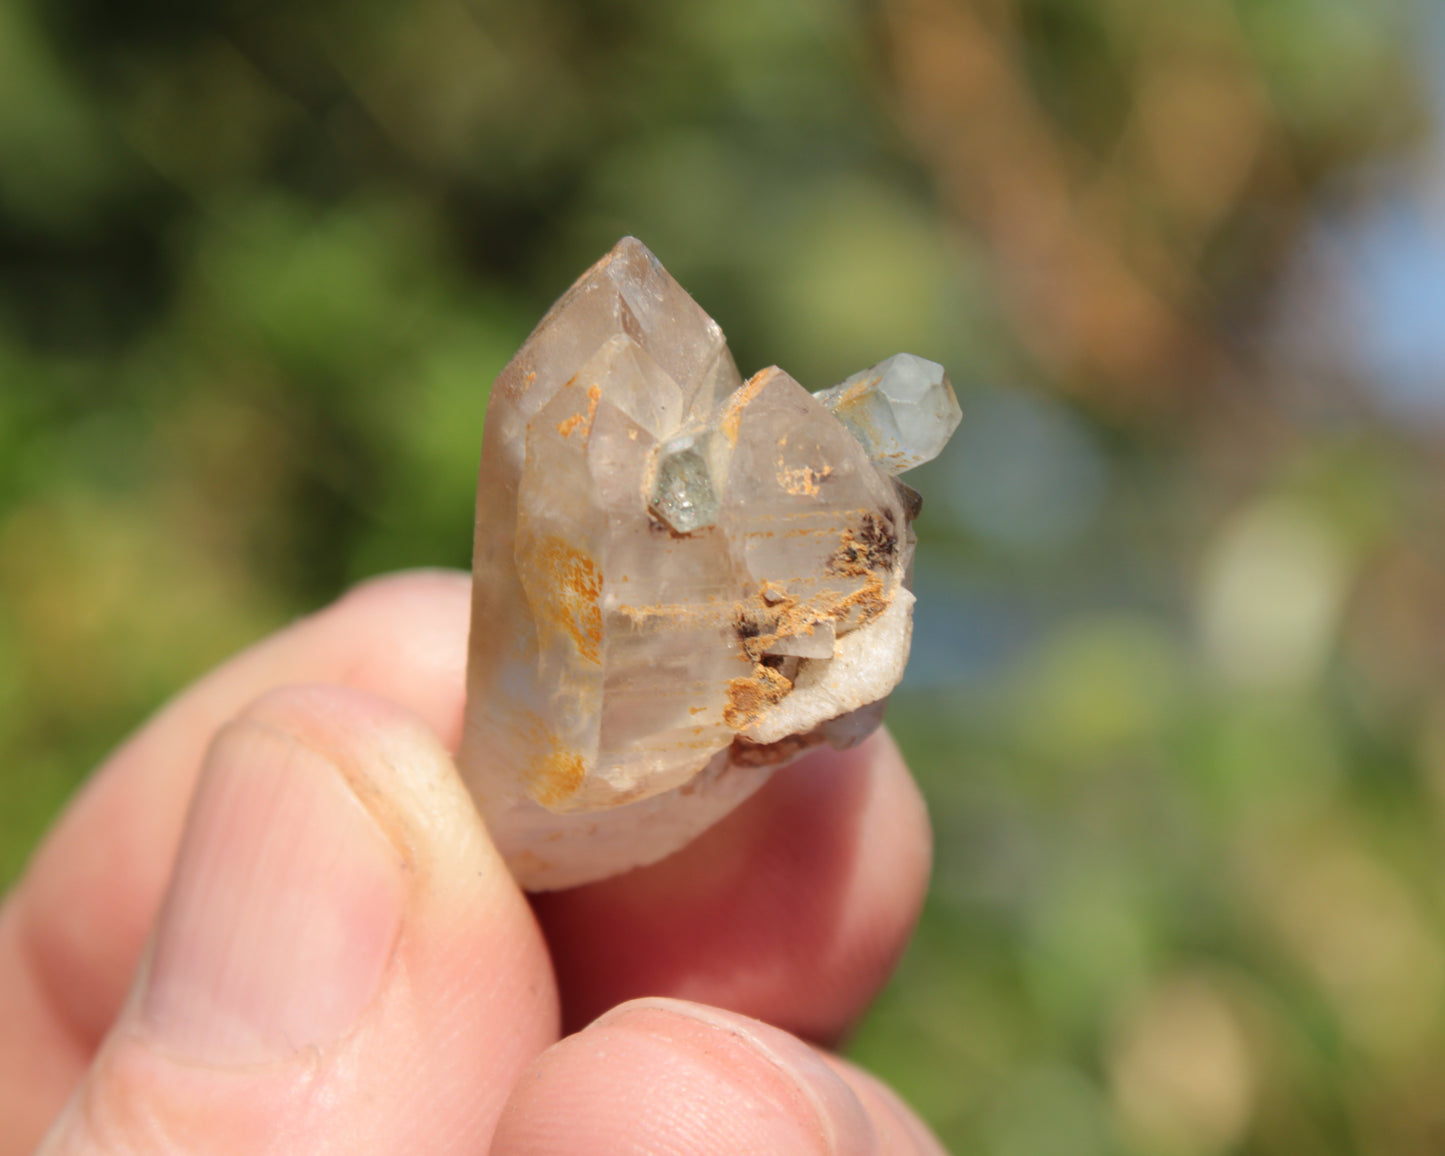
(1175,702)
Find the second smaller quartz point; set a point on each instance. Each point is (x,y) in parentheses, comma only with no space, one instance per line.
(683,495)
(903,410)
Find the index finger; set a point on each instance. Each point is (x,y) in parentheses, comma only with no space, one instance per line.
(792,910)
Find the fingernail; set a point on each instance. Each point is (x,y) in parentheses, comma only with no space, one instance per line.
(843,1127)
(284,906)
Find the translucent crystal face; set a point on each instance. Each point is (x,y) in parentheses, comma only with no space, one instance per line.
(671,565)
(683,493)
(902,411)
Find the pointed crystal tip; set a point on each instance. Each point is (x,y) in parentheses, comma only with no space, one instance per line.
(903,411)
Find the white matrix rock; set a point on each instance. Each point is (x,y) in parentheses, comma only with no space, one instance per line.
(681,580)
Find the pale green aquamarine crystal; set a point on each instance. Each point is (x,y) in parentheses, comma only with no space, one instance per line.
(681,580)
(683,493)
(903,411)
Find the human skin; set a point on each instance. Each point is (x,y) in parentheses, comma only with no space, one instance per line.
(272,921)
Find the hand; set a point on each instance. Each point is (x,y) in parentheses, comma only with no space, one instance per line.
(325,953)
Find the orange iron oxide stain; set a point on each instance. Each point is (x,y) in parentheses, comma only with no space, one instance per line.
(556,778)
(575,605)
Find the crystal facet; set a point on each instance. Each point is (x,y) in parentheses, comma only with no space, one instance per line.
(683,494)
(902,411)
(681,580)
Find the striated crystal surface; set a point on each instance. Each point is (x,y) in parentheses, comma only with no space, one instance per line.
(902,411)
(681,580)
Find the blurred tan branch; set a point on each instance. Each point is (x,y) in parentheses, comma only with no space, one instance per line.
(1097,255)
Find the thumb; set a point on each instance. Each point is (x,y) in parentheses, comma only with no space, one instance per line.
(341,964)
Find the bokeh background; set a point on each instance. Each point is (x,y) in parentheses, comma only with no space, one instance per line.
(1176,697)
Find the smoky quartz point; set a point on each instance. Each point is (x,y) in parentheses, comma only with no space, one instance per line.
(681,579)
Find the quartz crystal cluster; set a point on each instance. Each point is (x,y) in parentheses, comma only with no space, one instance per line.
(682,579)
